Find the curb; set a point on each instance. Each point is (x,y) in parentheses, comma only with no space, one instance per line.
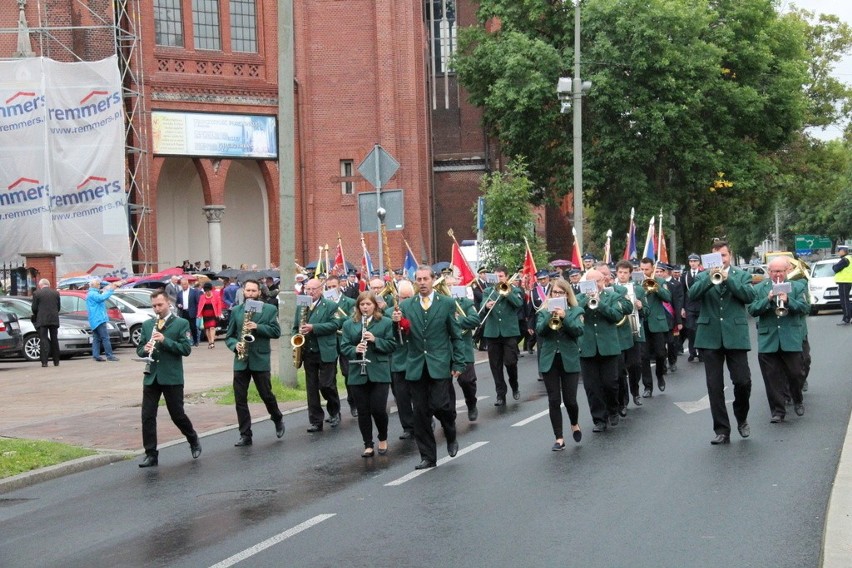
(836,546)
(29,478)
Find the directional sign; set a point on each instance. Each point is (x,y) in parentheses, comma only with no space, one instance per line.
(378,167)
(811,242)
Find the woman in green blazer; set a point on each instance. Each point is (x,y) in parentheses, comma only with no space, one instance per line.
(367,335)
(559,359)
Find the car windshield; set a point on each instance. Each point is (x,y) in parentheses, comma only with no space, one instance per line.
(17,308)
(823,270)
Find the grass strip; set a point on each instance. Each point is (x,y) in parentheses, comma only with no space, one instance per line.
(19,455)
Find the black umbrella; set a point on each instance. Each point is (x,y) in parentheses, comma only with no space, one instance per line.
(228,273)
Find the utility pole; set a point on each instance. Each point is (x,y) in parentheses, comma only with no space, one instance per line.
(577,93)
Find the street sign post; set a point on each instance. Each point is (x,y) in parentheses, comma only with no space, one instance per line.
(806,244)
(378,168)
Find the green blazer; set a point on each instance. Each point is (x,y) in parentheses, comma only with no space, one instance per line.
(723,321)
(468,324)
(434,338)
(600,336)
(260,349)
(378,353)
(656,314)
(625,335)
(562,342)
(399,358)
(503,321)
(167,368)
(323,338)
(780,333)
(639,292)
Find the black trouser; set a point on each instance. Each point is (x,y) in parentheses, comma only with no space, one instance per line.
(503,351)
(48,346)
(320,379)
(737,361)
(262,381)
(688,334)
(600,379)
(431,397)
(193,328)
(527,338)
(173,395)
(561,387)
(632,361)
(843,289)
(467,382)
(654,347)
(371,400)
(672,348)
(402,395)
(806,359)
(782,373)
(344,370)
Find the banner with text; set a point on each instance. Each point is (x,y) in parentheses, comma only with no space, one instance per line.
(62,183)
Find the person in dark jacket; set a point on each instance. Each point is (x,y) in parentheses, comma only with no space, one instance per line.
(46,321)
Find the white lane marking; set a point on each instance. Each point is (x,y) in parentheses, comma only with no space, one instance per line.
(249,552)
(703,403)
(532,418)
(440,462)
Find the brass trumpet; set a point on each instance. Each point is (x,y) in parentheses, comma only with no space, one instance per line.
(650,286)
(717,276)
(781,309)
(555,322)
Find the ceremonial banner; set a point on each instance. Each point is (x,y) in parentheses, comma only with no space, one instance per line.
(62,171)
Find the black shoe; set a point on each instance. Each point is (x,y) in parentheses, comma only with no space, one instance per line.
(599,427)
(353,411)
(776,418)
(613,419)
(472,414)
(425,464)
(661,384)
(647,393)
(578,435)
(700,359)
(452,448)
(335,420)
(279,428)
(56,364)
(745,429)
(516,394)
(673,367)
(406,435)
(195,449)
(149,461)
(622,411)
(557,446)
(800,409)
(368,453)
(691,358)
(501,401)
(243,441)
(315,428)
(721,439)
(637,401)
(805,386)
(44,364)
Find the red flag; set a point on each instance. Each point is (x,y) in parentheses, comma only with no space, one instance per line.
(339,261)
(664,253)
(461,269)
(529,269)
(576,255)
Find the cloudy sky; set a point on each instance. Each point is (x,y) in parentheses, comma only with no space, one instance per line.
(843,71)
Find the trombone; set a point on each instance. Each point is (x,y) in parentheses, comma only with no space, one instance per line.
(503,289)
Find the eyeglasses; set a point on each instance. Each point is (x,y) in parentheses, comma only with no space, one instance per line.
(558,293)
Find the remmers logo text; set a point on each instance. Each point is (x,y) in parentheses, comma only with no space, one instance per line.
(92,188)
(20,104)
(92,104)
(23,190)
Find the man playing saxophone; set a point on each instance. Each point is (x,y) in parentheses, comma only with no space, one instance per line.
(258,320)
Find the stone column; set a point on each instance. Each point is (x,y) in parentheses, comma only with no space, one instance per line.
(214,215)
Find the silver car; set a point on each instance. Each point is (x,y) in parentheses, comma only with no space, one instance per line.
(74,335)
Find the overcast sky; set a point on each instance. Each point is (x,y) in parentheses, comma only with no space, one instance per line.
(843,70)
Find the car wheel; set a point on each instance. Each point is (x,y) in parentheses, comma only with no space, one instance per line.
(32,347)
(136,335)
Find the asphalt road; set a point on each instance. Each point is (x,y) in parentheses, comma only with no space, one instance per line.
(651,492)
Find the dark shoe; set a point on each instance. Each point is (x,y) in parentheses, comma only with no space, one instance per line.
(599,427)
(501,401)
(800,409)
(700,359)
(557,446)
(622,411)
(472,414)
(315,428)
(637,401)
(647,393)
(56,364)
(776,418)
(805,386)
(425,464)
(335,420)
(368,453)
(149,461)
(691,358)
(99,359)
(382,451)
(721,439)
(243,441)
(578,435)
(661,384)
(673,367)
(44,364)
(353,411)
(113,358)
(745,430)
(406,435)
(613,419)
(195,449)
(452,448)
(516,394)
(279,428)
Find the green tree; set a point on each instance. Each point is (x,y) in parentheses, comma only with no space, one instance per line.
(683,91)
(509,218)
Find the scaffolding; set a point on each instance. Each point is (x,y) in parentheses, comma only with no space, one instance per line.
(89,30)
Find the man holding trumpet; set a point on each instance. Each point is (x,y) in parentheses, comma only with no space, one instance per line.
(780,306)
(501,330)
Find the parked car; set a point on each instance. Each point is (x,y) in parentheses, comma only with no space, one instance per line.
(74,335)
(757,271)
(72,303)
(10,333)
(133,316)
(139,297)
(823,289)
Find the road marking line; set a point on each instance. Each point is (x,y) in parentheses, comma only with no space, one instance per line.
(440,462)
(532,418)
(261,546)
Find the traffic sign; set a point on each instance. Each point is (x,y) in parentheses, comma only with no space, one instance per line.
(811,242)
(378,167)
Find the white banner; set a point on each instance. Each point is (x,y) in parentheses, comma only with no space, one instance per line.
(62,168)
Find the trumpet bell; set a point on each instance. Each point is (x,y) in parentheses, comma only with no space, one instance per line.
(503,288)
(555,323)
(781,311)
(650,285)
(593,303)
(717,278)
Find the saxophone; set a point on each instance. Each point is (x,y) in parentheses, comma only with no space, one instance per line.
(246,337)
(298,340)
